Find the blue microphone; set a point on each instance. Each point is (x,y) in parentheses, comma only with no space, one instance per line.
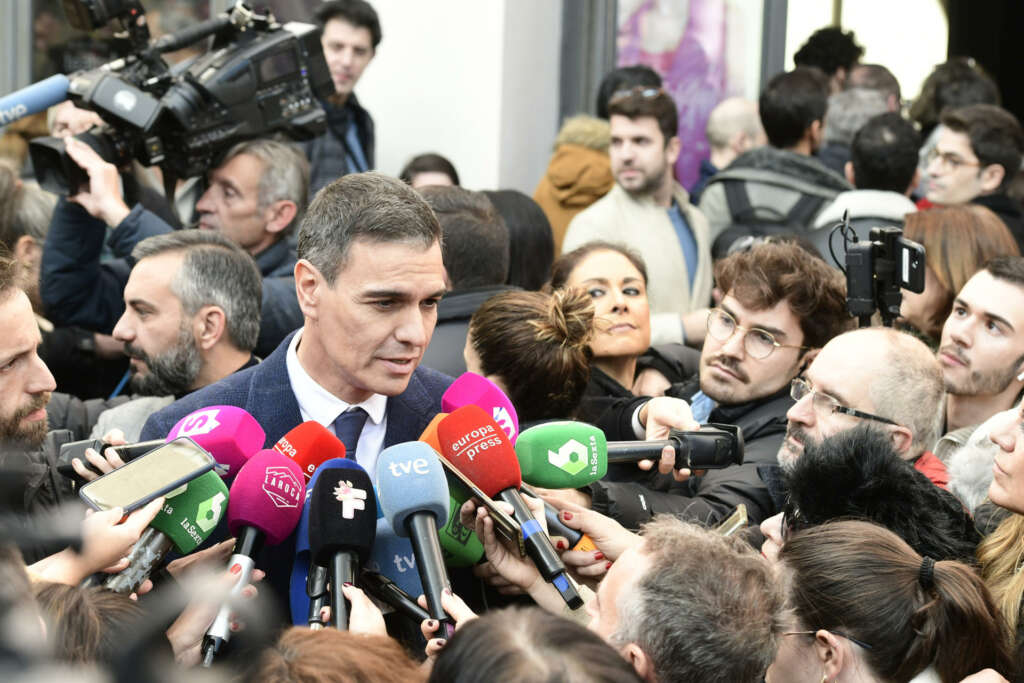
(393,557)
(34,98)
(413,493)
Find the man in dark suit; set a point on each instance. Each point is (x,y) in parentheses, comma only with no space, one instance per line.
(368,280)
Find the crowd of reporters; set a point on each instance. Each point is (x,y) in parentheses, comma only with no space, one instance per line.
(618,431)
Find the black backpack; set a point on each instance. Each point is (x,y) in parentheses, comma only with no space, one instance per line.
(751,225)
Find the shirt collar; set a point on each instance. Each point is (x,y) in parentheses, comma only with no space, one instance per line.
(317,402)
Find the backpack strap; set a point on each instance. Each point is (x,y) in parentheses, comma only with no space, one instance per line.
(803,211)
(738,201)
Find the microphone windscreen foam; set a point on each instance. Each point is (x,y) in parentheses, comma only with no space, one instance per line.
(267,494)
(429,435)
(393,557)
(479,449)
(310,444)
(302,530)
(230,433)
(190,517)
(342,514)
(470,389)
(562,455)
(410,478)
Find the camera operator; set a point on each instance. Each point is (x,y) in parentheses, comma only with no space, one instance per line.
(255,198)
(781,305)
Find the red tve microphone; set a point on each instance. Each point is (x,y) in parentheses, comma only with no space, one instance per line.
(479,448)
(310,445)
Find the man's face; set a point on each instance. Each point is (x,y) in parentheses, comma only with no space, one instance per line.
(955,174)
(842,370)
(231,204)
(368,332)
(982,345)
(157,335)
(620,579)
(639,156)
(347,49)
(25,381)
(730,375)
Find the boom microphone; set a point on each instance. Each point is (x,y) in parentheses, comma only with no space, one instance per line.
(263,507)
(342,526)
(184,522)
(310,444)
(470,389)
(34,98)
(475,444)
(414,498)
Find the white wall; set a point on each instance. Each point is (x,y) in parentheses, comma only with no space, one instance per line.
(474,81)
(907,36)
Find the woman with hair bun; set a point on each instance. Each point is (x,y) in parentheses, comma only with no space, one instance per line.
(866,607)
(534,346)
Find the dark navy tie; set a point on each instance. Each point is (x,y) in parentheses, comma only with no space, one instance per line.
(347,428)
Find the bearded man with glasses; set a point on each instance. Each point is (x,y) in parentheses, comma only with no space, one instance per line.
(780,305)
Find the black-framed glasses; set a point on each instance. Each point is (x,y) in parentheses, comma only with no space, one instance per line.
(757,343)
(835,633)
(823,404)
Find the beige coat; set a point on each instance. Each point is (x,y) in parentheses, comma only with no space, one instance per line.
(646,227)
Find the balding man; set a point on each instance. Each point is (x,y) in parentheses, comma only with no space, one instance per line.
(733,128)
(872,375)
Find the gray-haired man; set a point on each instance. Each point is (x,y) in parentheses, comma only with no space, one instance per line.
(255,197)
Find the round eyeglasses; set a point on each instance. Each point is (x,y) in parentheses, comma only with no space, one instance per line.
(757,343)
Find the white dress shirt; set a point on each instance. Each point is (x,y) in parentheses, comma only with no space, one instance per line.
(320,405)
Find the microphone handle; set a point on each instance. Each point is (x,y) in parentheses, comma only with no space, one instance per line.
(540,550)
(145,556)
(422,529)
(387,591)
(316,591)
(343,570)
(635,451)
(249,542)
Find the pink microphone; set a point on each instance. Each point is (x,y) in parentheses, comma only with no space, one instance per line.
(264,505)
(472,389)
(230,433)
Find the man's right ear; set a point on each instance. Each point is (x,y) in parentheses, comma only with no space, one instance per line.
(309,285)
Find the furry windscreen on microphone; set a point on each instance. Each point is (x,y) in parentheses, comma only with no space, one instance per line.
(857,474)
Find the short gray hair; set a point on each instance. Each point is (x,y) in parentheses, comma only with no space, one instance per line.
(849,110)
(214,272)
(368,206)
(908,387)
(708,608)
(285,174)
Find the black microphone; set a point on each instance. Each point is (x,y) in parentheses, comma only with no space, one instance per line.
(342,527)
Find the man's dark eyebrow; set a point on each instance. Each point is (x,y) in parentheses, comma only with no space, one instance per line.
(396,294)
(136,302)
(833,394)
(774,331)
(987,314)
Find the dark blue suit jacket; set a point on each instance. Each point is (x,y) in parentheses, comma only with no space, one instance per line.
(266,393)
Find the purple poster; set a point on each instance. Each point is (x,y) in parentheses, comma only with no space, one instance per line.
(685,42)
